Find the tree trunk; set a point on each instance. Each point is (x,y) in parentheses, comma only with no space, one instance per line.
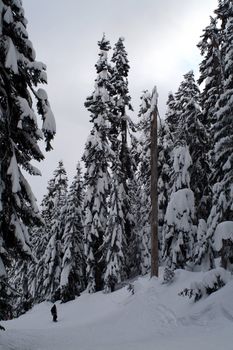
(154,196)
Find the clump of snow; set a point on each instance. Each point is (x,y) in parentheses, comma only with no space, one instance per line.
(21,234)
(209,278)
(17,3)
(13,172)
(42,94)
(224,231)
(180,208)
(212,281)
(49,124)
(11,57)
(20,30)
(26,110)
(201,230)
(8,16)
(64,275)
(29,192)
(181,165)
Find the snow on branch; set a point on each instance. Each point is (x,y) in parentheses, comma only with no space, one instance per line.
(224,231)
(13,172)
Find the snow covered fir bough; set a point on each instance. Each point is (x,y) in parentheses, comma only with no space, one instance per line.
(98,233)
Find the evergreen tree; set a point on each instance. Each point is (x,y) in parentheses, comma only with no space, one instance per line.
(72,280)
(40,237)
(121,97)
(211,72)
(20,283)
(20,74)
(216,73)
(203,256)
(223,136)
(144,182)
(120,123)
(47,211)
(192,131)
(187,91)
(179,229)
(198,141)
(97,179)
(172,117)
(165,145)
(50,264)
(115,241)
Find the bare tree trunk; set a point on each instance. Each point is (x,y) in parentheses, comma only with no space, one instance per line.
(154,195)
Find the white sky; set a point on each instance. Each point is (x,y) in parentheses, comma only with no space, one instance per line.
(161,38)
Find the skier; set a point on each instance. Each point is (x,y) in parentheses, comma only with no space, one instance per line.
(54,312)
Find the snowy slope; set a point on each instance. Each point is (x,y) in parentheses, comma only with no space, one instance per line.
(154,318)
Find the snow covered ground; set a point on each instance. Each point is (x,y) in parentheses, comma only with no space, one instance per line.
(153,318)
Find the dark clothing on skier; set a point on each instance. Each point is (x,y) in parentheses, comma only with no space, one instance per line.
(54,313)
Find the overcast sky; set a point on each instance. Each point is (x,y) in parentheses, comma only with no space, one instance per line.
(160,38)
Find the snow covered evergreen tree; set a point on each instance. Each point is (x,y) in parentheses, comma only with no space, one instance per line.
(192,131)
(197,139)
(47,211)
(20,276)
(203,256)
(172,117)
(212,76)
(121,122)
(211,72)
(222,206)
(179,229)
(165,145)
(50,264)
(187,91)
(39,240)
(121,97)
(72,280)
(115,241)
(20,74)
(144,182)
(97,179)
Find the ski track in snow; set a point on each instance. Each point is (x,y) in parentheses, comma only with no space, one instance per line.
(154,318)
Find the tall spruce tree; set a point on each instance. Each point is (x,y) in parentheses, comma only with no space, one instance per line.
(211,76)
(72,280)
(144,181)
(172,117)
(121,122)
(222,206)
(211,72)
(115,241)
(187,91)
(40,238)
(47,211)
(20,75)
(165,145)
(179,229)
(192,131)
(50,264)
(97,179)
